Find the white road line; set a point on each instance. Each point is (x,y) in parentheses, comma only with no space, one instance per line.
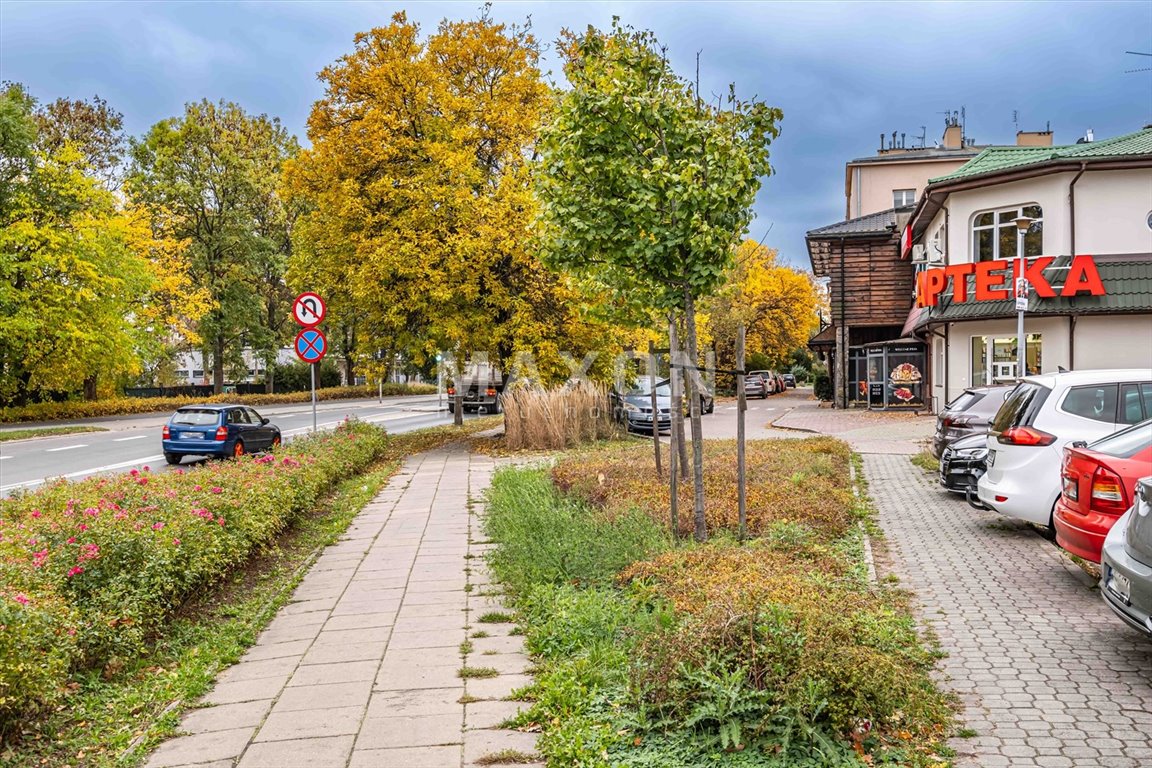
(65,448)
(134,437)
(84,472)
(4,457)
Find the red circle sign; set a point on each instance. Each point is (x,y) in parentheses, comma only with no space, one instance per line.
(308,309)
(311,344)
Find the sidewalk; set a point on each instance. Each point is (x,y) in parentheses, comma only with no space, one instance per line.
(361,669)
(1047,676)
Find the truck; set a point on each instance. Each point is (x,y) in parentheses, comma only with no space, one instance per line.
(481,387)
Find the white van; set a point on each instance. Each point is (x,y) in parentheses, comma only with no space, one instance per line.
(1026,437)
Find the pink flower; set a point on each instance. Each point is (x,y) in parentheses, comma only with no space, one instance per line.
(157,526)
(178,471)
(147,468)
(134,472)
(35,513)
(142,481)
(82,527)
(21,598)
(120,515)
(75,571)
(220,520)
(176,542)
(39,558)
(92,512)
(197,488)
(216,489)
(71,540)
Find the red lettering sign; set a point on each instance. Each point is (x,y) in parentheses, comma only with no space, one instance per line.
(992,280)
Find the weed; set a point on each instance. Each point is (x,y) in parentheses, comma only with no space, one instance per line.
(496,617)
(926,461)
(465,647)
(507,757)
(468,673)
(468,699)
(966,733)
(480,633)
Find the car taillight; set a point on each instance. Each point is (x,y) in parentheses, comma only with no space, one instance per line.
(166,433)
(1025,436)
(1108,492)
(221,433)
(490,392)
(1071,488)
(956,421)
(451,390)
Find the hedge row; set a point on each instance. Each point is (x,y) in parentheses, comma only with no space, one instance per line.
(119,406)
(90,570)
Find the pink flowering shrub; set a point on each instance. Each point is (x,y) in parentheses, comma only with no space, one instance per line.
(89,571)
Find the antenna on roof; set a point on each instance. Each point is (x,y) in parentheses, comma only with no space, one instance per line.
(1016,120)
(1142,69)
(923,136)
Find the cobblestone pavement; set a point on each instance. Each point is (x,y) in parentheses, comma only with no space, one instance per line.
(866,431)
(1048,677)
(362,668)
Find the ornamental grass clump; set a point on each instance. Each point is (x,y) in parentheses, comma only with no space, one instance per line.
(540,419)
(89,571)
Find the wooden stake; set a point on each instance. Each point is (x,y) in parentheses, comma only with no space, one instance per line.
(655,407)
(677,437)
(741,407)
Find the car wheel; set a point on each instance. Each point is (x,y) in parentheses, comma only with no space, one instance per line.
(238,449)
(173,458)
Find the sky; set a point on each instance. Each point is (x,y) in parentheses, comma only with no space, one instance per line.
(843,73)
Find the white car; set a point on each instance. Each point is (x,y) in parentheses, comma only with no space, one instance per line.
(1026,437)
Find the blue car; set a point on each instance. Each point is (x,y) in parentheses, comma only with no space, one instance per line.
(217,430)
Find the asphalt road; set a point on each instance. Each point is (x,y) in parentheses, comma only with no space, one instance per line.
(134,441)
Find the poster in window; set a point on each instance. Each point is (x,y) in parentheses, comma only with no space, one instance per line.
(905,384)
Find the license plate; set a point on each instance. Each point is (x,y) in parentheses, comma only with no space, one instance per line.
(991,459)
(1119,585)
(191,435)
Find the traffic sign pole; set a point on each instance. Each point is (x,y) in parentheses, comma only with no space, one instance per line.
(313,369)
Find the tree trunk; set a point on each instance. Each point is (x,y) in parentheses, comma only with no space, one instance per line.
(90,388)
(218,364)
(655,408)
(701,528)
(458,398)
(676,377)
(677,432)
(269,377)
(741,407)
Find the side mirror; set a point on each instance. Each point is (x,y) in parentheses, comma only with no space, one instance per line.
(264,420)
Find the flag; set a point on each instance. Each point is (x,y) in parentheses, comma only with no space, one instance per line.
(906,241)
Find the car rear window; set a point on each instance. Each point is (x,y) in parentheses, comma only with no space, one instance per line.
(1020,407)
(1127,442)
(195,417)
(965,401)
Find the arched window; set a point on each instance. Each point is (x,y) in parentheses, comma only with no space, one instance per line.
(994,234)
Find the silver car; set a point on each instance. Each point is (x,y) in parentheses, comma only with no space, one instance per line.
(1126,562)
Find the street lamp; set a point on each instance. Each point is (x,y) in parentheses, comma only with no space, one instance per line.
(1021,293)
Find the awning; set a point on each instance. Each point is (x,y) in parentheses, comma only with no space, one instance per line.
(914,317)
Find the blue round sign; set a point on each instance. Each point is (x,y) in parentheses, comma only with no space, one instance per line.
(311,344)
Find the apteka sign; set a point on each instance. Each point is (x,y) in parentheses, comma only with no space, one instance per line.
(994,280)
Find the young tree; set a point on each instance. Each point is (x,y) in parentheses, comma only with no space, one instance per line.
(209,177)
(643,184)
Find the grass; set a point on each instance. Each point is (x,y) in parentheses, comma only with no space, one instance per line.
(654,651)
(112,718)
(557,418)
(496,617)
(469,673)
(507,757)
(465,647)
(479,634)
(926,461)
(25,434)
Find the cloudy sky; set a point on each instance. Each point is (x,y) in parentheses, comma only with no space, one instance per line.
(842,72)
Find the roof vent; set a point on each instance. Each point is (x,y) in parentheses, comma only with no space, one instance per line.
(1087,139)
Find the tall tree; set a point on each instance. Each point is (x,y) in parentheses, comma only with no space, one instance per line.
(645,185)
(210,178)
(419,198)
(92,128)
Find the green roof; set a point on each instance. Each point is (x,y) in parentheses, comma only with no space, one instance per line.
(996,159)
(1128,283)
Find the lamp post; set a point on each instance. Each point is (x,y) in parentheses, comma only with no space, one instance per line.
(1021,293)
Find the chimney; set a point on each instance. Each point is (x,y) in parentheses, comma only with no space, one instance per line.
(953,136)
(1033,138)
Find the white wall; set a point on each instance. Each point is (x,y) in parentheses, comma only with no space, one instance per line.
(1049,192)
(1114,342)
(1053,346)
(1112,209)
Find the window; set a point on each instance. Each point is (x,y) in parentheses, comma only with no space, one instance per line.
(994,360)
(994,234)
(197,374)
(253,416)
(1096,402)
(1131,410)
(1020,407)
(1126,443)
(238,416)
(902,198)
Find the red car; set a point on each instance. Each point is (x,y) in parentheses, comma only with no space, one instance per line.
(1097,483)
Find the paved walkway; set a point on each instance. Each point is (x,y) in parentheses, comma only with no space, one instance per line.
(361,669)
(1047,676)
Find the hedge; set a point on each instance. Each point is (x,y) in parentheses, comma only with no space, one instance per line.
(119,406)
(89,571)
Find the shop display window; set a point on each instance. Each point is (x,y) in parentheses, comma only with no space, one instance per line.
(994,359)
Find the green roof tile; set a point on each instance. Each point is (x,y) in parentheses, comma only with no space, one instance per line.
(995,159)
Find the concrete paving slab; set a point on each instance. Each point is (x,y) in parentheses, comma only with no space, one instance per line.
(310,723)
(330,752)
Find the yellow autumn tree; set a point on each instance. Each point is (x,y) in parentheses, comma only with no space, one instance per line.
(417,198)
(776,304)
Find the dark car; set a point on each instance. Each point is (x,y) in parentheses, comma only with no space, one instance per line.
(962,463)
(968,414)
(1126,562)
(789,380)
(217,430)
(632,407)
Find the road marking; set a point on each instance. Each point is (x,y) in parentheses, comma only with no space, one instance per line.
(134,437)
(83,472)
(65,448)
(4,457)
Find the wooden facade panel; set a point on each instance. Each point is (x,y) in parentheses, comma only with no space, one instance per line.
(875,283)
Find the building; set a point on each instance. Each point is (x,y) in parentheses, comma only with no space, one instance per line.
(1080,217)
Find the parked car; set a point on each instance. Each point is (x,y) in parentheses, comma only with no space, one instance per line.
(1097,482)
(217,430)
(1126,562)
(482,385)
(780,384)
(966,415)
(789,380)
(769,381)
(1040,416)
(755,385)
(962,464)
(632,407)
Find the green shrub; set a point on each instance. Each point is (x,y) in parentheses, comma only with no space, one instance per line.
(822,387)
(106,560)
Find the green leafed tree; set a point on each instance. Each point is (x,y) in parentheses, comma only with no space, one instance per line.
(647,187)
(210,178)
